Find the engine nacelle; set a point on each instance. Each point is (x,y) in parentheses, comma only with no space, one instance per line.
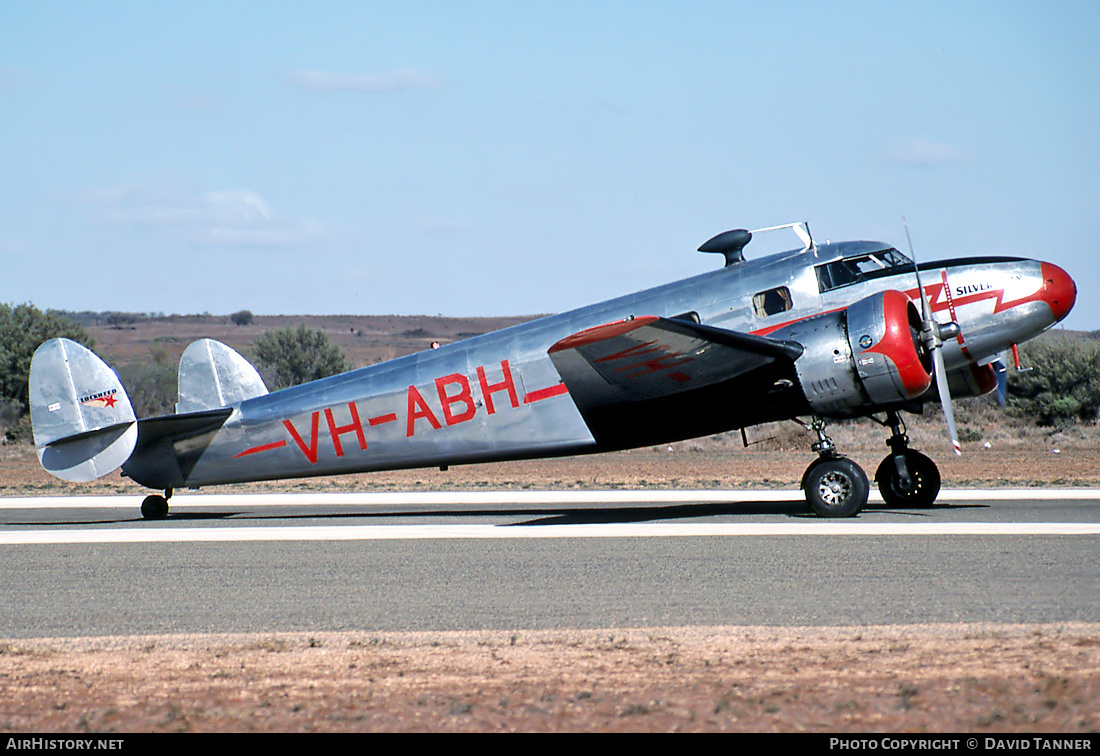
(868,354)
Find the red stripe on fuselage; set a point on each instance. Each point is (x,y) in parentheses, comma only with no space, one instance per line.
(546,393)
(262,448)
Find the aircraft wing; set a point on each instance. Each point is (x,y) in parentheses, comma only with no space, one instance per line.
(662,379)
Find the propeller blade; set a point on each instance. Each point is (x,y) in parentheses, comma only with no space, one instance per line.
(945,400)
(1001,372)
(925,308)
(933,334)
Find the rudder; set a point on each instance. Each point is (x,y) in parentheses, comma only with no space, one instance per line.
(212,375)
(84,426)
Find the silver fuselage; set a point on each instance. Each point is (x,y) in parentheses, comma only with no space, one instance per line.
(498,396)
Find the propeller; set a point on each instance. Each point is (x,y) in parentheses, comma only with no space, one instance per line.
(932,335)
(1000,368)
(1000,371)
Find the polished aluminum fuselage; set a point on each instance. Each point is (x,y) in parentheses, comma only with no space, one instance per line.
(498,396)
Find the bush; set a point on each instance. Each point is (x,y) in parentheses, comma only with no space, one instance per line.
(290,356)
(1063,385)
(241,318)
(23,328)
(151,383)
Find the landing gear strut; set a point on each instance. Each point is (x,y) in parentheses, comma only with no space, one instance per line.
(155,506)
(906,478)
(835,486)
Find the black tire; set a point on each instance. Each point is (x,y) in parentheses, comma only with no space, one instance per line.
(924,479)
(835,487)
(155,507)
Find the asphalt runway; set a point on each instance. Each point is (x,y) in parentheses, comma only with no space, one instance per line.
(90,566)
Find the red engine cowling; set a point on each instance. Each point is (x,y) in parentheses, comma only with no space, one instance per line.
(866,355)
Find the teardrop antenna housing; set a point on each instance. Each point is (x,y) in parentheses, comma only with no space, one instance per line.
(730,244)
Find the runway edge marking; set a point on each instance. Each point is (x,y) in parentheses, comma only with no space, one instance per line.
(610,496)
(497,532)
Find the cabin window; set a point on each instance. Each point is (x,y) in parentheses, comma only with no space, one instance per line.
(772,302)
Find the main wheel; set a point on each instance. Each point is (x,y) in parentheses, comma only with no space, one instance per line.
(835,487)
(155,507)
(923,486)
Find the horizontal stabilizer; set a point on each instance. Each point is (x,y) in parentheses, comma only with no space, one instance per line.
(84,426)
(212,375)
(169,446)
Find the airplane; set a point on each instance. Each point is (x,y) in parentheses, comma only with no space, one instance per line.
(815,334)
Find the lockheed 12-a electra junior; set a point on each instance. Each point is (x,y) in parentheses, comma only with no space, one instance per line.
(821,332)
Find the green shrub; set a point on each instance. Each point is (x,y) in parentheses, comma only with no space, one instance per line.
(1063,384)
(23,328)
(151,383)
(292,356)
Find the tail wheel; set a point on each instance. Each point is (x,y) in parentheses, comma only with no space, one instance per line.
(154,507)
(835,487)
(923,485)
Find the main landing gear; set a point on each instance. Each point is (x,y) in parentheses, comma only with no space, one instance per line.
(155,506)
(835,486)
(906,478)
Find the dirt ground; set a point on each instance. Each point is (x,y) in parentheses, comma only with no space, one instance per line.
(719,462)
(946,679)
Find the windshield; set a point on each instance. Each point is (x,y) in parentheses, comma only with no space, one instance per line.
(860,267)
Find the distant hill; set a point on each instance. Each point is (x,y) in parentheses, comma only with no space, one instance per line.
(366,339)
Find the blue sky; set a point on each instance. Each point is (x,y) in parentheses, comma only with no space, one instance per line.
(517,158)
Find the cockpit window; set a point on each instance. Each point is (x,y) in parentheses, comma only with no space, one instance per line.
(858,268)
(772,302)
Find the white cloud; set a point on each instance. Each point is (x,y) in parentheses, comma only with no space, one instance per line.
(12,79)
(14,248)
(394,81)
(924,153)
(220,218)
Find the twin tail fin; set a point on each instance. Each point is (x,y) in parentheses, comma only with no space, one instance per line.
(84,424)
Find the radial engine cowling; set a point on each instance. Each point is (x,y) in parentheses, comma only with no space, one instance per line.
(866,355)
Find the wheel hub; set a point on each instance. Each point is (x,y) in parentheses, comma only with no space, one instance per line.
(835,488)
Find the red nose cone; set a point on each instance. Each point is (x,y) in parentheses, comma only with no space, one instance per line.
(1059,290)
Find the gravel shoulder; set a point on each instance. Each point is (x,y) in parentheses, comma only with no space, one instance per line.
(957,678)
